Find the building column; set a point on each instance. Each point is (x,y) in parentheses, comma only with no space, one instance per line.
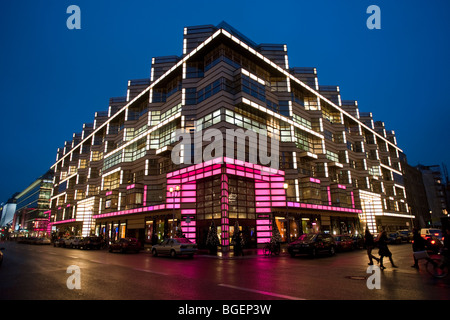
(225,221)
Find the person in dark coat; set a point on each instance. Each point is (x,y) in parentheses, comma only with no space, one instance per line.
(418,244)
(384,250)
(370,244)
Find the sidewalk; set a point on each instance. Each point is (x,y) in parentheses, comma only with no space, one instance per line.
(248,253)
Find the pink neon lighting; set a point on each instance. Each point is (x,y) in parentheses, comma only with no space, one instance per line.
(190,224)
(145,195)
(278,185)
(261,185)
(277,192)
(341,186)
(329,195)
(268,186)
(264,234)
(353,199)
(314,180)
(63,221)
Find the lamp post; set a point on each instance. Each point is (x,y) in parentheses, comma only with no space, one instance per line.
(288,229)
(172,190)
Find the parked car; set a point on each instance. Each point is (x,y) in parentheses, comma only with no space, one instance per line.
(71,241)
(394,238)
(61,242)
(343,242)
(313,244)
(358,241)
(43,241)
(90,243)
(406,235)
(1,255)
(175,247)
(125,245)
(30,240)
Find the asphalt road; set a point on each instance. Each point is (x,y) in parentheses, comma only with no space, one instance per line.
(40,273)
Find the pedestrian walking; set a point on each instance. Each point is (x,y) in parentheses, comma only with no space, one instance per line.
(369,242)
(419,244)
(384,250)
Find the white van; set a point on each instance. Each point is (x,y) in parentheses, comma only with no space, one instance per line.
(431,232)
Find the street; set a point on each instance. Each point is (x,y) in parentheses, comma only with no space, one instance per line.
(40,273)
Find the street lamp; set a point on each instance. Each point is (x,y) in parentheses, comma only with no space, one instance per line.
(172,190)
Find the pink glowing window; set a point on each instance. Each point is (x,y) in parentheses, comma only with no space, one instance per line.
(275,179)
(190,224)
(277,192)
(188,193)
(262,222)
(188,186)
(262,185)
(263,228)
(264,234)
(278,185)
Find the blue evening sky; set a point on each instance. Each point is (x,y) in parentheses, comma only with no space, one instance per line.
(52,79)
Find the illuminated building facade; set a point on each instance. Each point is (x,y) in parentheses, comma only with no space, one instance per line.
(31,217)
(338,169)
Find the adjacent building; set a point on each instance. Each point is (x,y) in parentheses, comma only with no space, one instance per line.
(336,169)
(434,185)
(31,216)
(416,194)
(7,212)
